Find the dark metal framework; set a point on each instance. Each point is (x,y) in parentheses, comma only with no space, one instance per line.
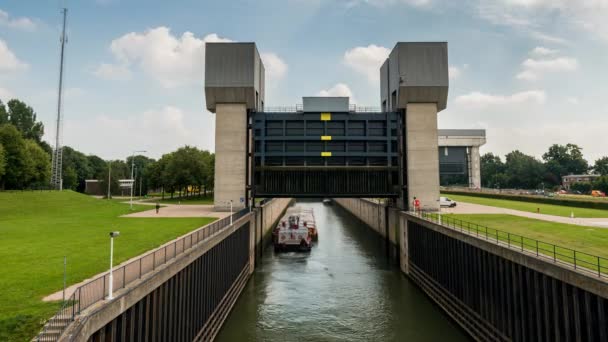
(345,154)
(190,304)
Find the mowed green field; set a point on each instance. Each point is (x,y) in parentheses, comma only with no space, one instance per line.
(549,209)
(589,240)
(38,228)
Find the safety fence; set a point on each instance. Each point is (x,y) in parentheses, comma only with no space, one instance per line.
(97,289)
(585,262)
(300,108)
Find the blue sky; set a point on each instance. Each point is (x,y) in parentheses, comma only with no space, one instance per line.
(531,72)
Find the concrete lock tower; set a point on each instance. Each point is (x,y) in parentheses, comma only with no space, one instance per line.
(234,85)
(414,80)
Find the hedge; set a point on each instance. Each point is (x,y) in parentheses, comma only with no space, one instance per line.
(535,199)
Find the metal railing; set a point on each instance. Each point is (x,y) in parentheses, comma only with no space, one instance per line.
(97,289)
(298,108)
(585,262)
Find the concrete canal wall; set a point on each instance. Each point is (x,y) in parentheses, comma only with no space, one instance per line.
(189,297)
(382,219)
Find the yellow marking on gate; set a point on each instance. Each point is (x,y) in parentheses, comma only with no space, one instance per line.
(326,137)
(325,116)
(325,154)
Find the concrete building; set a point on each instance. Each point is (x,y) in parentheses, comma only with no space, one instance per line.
(234,84)
(459,159)
(414,79)
(568,180)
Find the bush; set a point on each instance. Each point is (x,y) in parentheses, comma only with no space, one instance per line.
(537,199)
(583,187)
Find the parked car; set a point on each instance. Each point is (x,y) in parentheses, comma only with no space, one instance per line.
(597,193)
(446,202)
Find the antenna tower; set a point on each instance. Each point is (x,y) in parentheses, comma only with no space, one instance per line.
(56,177)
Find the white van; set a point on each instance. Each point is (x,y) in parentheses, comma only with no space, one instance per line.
(446,202)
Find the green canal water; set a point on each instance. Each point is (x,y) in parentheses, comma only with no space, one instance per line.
(345,289)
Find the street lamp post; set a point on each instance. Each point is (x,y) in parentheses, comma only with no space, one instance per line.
(111,282)
(109,178)
(231,212)
(132,175)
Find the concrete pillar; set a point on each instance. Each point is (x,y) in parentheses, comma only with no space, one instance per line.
(475,168)
(230,156)
(422,157)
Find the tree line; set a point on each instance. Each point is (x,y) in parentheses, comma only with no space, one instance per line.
(25,162)
(521,171)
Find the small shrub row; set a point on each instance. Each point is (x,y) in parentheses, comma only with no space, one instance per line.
(536,199)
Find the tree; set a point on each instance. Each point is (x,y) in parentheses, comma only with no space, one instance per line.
(601,184)
(562,160)
(492,171)
(524,171)
(583,187)
(23,117)
(70,178)
(141,179)
(2,163)
(39,166)
(3,114)
(601,166)
(79,165)
(97,166)
(16,157)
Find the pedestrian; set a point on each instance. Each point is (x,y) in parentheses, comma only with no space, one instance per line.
(157,207)
(416,205)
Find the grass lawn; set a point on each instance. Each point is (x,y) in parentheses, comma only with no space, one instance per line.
(38,228)
(185,200)
(549,209)
(589,240)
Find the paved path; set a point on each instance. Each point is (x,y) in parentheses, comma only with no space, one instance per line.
(470,208)
(176,210)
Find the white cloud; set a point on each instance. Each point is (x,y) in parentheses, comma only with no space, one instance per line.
(533,69)
(8,61)
(382,3)
(415,3)
(589,15)
(454,72)
(6,95)
(275,67)
(22,23)
(367,60)
(170,126)
(573,100)
(547,38)
(172,61)
(339,89)
(117,72)
(479,100)
(543,51)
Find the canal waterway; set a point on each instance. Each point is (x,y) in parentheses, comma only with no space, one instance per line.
(345,289)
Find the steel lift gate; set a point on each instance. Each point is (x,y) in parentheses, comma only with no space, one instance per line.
(344,154)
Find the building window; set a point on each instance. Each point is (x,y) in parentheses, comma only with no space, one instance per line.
(445,151)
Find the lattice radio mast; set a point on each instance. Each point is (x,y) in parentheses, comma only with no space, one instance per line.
(56,177)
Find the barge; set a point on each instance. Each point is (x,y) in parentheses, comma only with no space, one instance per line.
(295,231)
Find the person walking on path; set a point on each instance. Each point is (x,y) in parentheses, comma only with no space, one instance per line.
(157,207)
(416,205)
